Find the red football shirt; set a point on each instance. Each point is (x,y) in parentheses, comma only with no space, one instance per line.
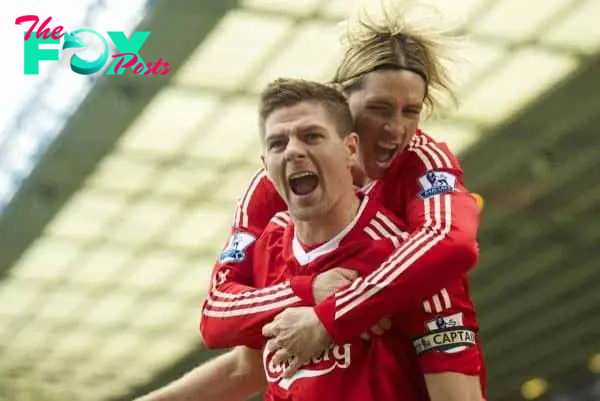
(435,335)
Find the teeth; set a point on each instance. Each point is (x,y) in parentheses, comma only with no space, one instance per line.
(385,155)
(385,152)
(387,146)
(300,174)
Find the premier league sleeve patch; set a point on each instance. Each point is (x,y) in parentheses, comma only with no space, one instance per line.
(235,251)
(436,183)
(445,334)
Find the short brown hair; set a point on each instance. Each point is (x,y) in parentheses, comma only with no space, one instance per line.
(287,92)
(394,43)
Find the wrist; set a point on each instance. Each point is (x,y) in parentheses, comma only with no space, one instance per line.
(302,288)
(325,313)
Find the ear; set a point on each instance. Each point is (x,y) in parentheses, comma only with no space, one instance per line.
(351,143)
(262,159)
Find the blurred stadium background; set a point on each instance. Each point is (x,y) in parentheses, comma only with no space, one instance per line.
(116,192)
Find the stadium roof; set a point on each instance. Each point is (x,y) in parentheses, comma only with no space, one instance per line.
(108,245)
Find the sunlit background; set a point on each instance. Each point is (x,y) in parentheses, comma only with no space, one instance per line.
(116,192)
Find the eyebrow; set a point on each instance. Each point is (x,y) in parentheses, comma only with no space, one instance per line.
(302,129)
(391,100)
(312,127)
(272,137)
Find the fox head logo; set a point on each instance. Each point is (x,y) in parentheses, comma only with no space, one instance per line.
(72,41)
(74,44)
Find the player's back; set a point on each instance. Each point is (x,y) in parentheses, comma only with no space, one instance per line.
(382,368)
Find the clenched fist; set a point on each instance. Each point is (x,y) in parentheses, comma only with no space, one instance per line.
(326,283)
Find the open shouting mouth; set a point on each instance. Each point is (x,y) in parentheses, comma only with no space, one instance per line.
(303,183)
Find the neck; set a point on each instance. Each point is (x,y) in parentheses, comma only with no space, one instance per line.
(359,177)
(324,228)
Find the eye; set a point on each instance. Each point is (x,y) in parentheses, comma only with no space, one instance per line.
(412,111)
(276,145)
(383,109)
(312,136)
(379,106)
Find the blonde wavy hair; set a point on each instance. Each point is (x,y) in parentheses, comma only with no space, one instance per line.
(408,36)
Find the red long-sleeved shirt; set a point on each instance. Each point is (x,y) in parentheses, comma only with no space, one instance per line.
(423,187)
(438,334)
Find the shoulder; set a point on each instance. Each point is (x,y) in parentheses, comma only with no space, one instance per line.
(380,223)
(430,154)
(258,203)
(276,228)
(279,222)
(373,238)
(272,239)
(424,162)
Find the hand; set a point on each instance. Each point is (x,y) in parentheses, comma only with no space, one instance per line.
(297,335)
(326,283)
(378,329)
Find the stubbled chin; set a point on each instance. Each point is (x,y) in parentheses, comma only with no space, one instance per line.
(305,200)
(385,165)
(377,169)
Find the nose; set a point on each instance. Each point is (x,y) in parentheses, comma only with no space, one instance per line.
(394,128)
(295,149)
